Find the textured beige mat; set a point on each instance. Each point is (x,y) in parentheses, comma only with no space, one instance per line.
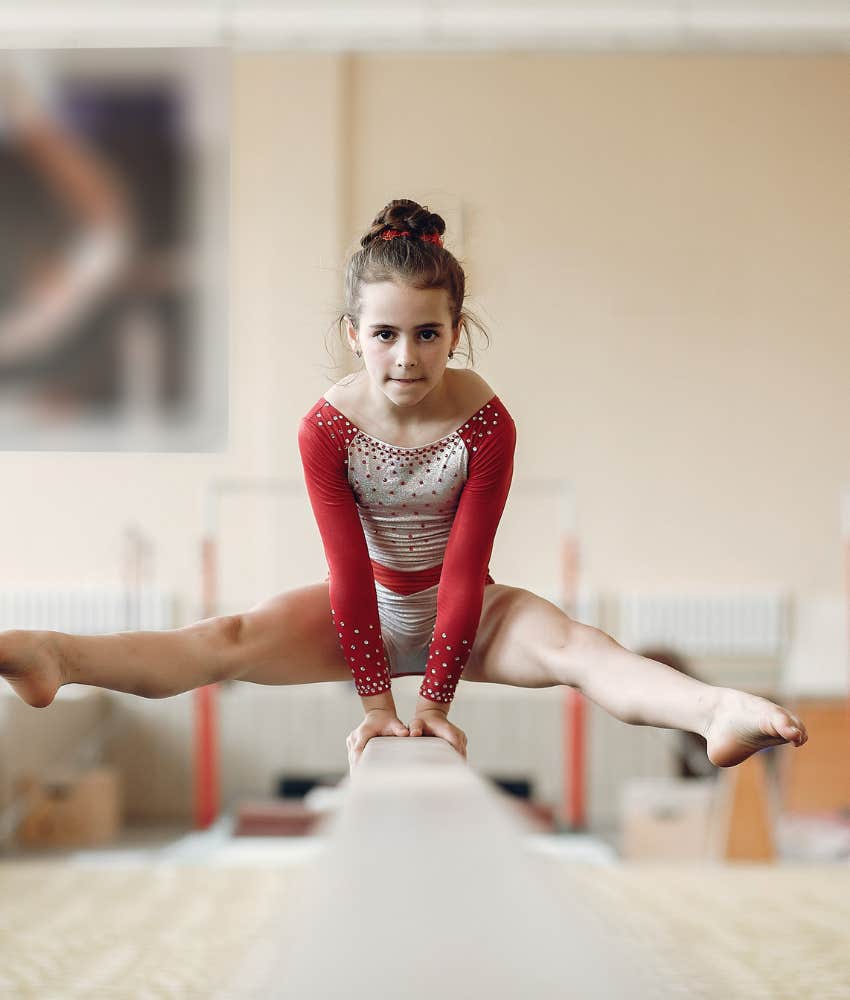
(119,933)
(754,932)
(133,933)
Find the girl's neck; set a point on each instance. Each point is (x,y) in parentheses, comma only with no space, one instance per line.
(468,392)
(425,409)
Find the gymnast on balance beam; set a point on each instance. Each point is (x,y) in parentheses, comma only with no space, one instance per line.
(408,465)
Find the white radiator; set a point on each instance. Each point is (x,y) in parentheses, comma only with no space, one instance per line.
(86,610)
(754,624)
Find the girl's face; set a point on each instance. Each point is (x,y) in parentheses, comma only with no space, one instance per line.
(404,333)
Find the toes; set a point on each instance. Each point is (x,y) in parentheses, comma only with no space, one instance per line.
(789,728)
(802,734)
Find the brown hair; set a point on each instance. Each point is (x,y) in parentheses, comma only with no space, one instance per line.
(407,259)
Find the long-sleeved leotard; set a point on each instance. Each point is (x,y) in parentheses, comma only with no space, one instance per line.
(408,534)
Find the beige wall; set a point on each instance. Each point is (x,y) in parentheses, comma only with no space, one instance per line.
(662,243)
(659,244)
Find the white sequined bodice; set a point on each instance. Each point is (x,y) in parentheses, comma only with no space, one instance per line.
(407,497)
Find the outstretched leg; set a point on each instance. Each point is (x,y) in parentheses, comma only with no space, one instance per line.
(150,664)
(527,641)
(288,639)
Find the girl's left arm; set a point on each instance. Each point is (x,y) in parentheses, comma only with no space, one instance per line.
(490,438)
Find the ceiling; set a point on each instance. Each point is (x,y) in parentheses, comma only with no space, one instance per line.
(432,25)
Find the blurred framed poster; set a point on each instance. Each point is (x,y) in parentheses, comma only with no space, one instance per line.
(113,250)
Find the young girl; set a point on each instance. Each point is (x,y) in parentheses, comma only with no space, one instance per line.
(408,464)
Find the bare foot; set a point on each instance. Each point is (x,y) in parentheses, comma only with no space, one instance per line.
(743,723)
(31,663)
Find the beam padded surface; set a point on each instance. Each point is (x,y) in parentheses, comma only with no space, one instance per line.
(425,889)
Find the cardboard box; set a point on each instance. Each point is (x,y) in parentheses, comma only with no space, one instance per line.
(71,812)
(667,819)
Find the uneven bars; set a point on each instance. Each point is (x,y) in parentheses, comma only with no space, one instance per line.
(425,888)
(206,784)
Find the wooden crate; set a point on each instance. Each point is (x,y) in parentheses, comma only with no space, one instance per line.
(815,778)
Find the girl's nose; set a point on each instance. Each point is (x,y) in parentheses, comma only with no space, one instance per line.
(406,359)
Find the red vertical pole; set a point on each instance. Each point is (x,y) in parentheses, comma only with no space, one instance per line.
(845,541)
(206,757)
(574,721)
(847,574)
(205,704)
(574,809)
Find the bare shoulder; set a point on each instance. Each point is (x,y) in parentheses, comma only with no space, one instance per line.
(473,390)
(342,393)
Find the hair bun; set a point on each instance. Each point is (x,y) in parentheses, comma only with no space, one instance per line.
(403,214)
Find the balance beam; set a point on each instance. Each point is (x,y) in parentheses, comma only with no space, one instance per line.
(425,888)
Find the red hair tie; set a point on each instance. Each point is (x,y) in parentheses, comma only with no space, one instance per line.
(390,234)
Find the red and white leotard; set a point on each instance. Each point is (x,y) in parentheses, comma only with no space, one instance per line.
(407,534)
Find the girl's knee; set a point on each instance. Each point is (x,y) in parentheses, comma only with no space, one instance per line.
(223,646)
(231,628)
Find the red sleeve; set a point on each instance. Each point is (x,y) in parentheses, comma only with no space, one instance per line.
(354,604)
(460,594)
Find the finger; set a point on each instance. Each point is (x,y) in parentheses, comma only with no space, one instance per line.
(397,729)
(448,733)
(457,740)
(356,754)
(416,728)
(452,741)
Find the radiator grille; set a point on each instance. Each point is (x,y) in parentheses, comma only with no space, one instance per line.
(706,625)
(86,610)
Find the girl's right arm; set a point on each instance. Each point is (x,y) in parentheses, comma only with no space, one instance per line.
(354,603)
